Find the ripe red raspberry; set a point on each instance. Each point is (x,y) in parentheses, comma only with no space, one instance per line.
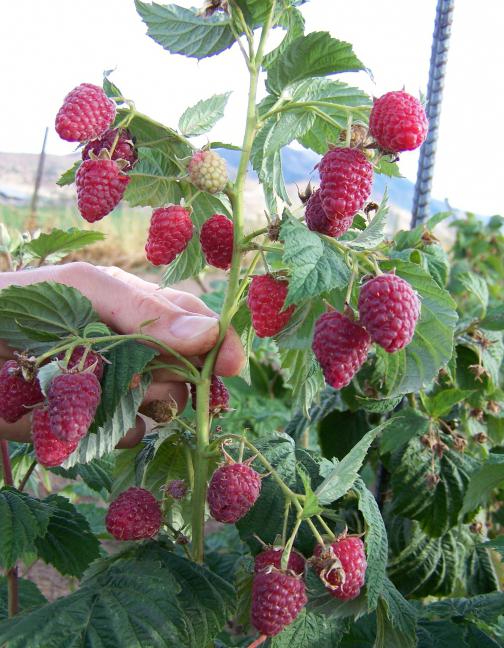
(398,122)
(86,113)
(92,358)
(72,400)
(277,599)
(389,309)
(342,567)
(317,220)
(177,488)
(207,171)
(346,177)
(124,149)
(266,299)
(340,346)
(232,492)
(100,188)
(272,556)
(170,231)
(134,515)
(219,396)
(216,238)
(49,450)
(16,393)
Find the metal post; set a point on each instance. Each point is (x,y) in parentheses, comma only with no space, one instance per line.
(437,70)
(38,180)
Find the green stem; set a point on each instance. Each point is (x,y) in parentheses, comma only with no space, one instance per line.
(200,469)
(255,233)
(327,529)
(27,476)
(12,573)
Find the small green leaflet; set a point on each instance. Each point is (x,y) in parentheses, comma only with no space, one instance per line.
(68,177)
(29,596)
(494,320)
(58,243)
(153,180)
(203,116)
(396,620)
(443,401)
(374,233)
(476,286)
(339,479)
(483,481)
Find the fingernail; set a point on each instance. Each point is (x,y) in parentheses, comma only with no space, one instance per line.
(192,326)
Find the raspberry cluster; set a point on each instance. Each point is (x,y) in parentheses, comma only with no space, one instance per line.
(398,122)
(170,231)
(216,238)
(342,567)
(266,299)
(134,515)
(233,490)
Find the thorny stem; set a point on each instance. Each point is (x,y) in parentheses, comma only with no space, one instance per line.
(12,573)
(27,476)
(235,194)
(327,529)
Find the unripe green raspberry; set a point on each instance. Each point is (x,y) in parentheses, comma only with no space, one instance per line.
(207,171)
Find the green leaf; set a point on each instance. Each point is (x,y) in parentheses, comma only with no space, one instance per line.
(436,506)
(23,519)
(68,177)
(494,320)
(315,55)
(443,401)
(203,116)
(414,367)
(29,596)
(302,375)
(378,405)
(486,607)
(110,89)
(311,505)
(396,620)
(68,543)
(340,478)
(185,31)
(181,604)
(490,350)
(294,24)
(310,631)
(53,308)
(376,543)
(268,168)
(58,243)
(191,262)
(316,266)
(483,481)
(404,425)
(153,180)
(497,544)
(476,286)
(97,474)
(374,234)
(115,427)
(148,133)
(169,462)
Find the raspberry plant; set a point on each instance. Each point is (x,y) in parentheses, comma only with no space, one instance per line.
(358,456)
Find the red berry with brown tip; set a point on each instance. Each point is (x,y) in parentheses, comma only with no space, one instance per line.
(134,515)
(177,488)
(317,220)
(92,359)
(49,450)
(342,567)
(398,122)
(219,396)
(346,177)
(232,492)
(170,232)
(86,113)
(277,599)
(389,309)
(17,395)
(272,557)
(216,238)
(72,400)
(207,171)
(266,299)
(124,148)
(100,188)
(340,346)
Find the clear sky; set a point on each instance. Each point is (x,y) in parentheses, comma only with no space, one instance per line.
(47,47)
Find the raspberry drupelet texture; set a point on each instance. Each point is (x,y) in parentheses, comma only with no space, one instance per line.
(177,488)
(86,113)
(91,359)
(207,171)
(266,299)
(216,238)
(49,450)
(346,177)
(277,599)
(340,346)
(124,148)
(272,557)
(398,122)
(342,567)
(318,221)
(219,396)
(134,515)
(232,492)
(389,309)
(72,400)
(170,232)
(100,188)
(17,395)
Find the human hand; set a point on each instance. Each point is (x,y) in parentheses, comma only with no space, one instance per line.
(123,302)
